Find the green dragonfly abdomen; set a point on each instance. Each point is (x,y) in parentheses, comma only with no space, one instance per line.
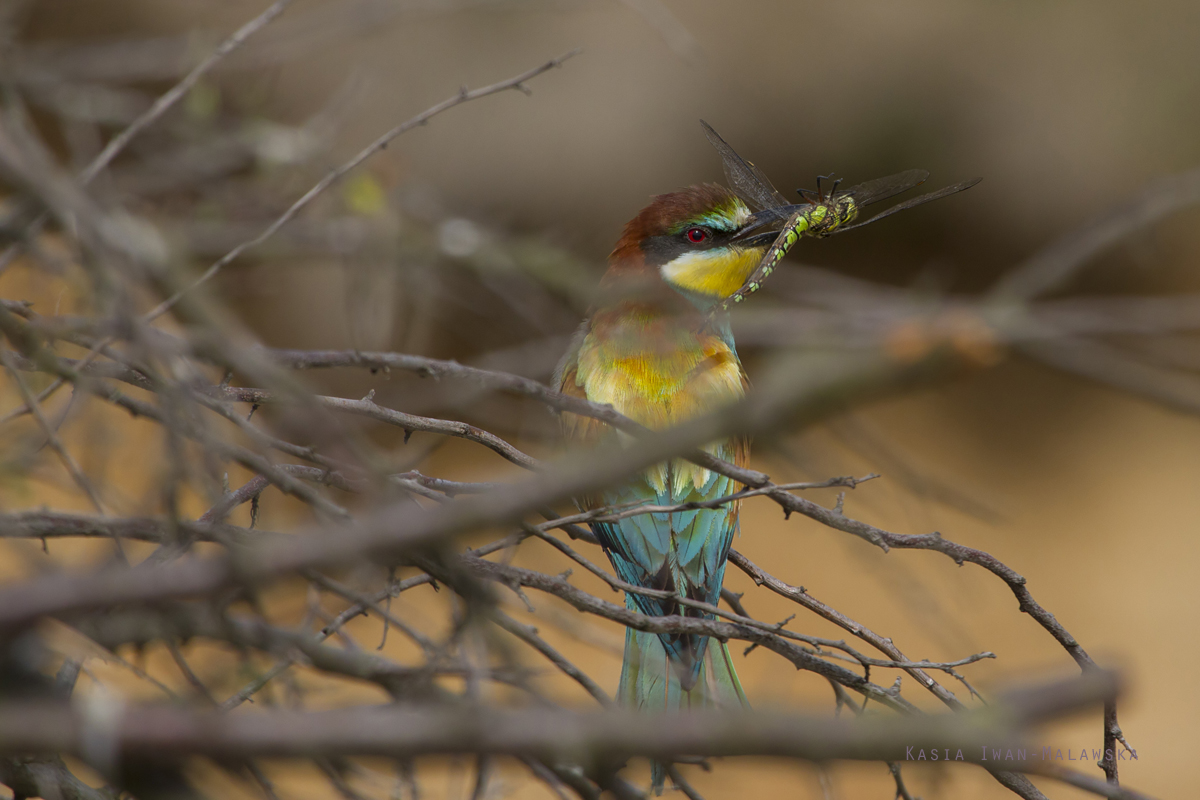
(792,230)
(819,219)
(820,215)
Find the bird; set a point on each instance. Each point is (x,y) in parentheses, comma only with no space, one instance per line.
(658,348)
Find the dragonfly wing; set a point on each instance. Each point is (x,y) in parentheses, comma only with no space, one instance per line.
(747,180)
(882,188)
(916,201)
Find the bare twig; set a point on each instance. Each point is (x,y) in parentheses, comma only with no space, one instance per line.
(151,115)
(52,438)
(1053,266)
(606,735)
(180,90)
(463,96)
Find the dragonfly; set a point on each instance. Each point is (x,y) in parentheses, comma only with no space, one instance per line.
(821,214)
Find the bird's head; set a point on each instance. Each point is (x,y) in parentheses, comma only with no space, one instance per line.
(701,241)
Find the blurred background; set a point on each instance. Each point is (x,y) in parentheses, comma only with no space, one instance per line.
(481,237)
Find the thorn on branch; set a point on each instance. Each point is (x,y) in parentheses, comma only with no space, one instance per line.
(519,592)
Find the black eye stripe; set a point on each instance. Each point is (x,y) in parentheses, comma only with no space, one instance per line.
(659,250)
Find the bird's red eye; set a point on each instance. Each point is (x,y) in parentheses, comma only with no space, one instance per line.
(697,235)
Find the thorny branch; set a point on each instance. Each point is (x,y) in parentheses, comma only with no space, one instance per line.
(465,95)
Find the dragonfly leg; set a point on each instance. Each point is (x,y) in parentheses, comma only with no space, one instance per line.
(822,197)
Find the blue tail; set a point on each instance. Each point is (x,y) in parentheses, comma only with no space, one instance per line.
(650,682)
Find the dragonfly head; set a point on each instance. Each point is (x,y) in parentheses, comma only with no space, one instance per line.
(702,241)
(835,211)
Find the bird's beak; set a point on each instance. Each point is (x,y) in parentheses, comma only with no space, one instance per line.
(762,227)
(755,240)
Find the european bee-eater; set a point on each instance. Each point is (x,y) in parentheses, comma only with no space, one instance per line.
(659,349)
(654,350)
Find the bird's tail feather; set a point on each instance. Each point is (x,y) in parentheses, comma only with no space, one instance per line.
(649,682)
